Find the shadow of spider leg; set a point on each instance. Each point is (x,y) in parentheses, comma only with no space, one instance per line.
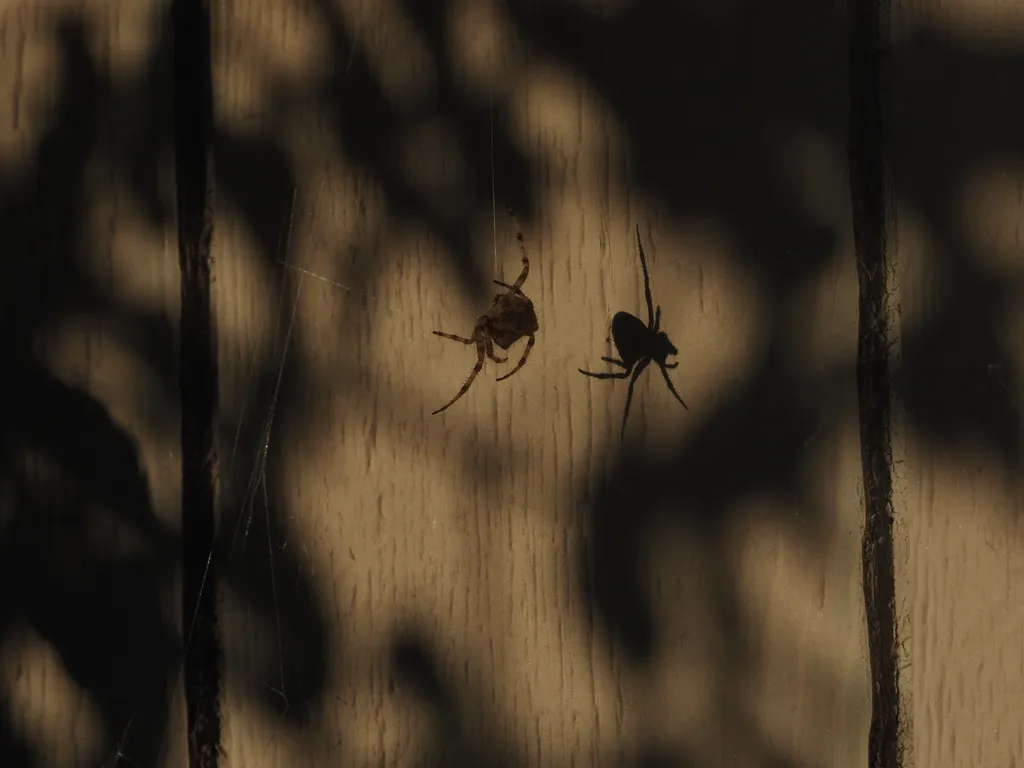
(613,375)
(481,350)
(641,366)
(671,386)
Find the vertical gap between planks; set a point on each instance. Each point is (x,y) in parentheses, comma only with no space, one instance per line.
(867,170)
(193,110)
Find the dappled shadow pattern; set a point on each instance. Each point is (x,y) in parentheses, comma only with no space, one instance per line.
(86,558)
(76,490)
(69,470)
(706,102)
(736,81)
(746,453)
(956,114)
(416,673)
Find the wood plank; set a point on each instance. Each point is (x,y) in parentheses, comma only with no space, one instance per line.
(958,171)
(425,591)
(89,619)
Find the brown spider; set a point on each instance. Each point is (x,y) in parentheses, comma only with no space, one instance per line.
(510,317)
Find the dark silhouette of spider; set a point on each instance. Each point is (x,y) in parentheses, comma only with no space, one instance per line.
(639,344)
(510,318)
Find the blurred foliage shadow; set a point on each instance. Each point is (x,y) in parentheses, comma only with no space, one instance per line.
(701,95)
(417,674)
(73,486)
(702,99)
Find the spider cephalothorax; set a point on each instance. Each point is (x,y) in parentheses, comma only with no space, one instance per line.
(510,318)
(639,344)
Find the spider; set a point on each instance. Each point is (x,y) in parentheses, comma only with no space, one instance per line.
(510,317)
(639,344)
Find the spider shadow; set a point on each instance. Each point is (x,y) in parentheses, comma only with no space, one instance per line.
(750,194)
(720,155)
(953,118)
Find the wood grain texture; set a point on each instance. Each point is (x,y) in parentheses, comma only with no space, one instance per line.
(505,584)
(958,166)
(89,619)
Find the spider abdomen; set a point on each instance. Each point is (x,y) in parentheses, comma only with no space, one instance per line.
(516,319)
(631,336)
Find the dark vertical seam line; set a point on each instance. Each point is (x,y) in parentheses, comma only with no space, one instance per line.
(868,55)
(193,111)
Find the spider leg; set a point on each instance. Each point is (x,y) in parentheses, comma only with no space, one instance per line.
(522,360)
(671,366)
(671,387)
(453,337)
(481,351)
(613,361)
(629,395)
(522,250)
(491,355)
(657,318)
(510,287)
(647,279)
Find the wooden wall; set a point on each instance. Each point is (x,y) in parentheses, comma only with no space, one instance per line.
(506,583)
(958,170)
(90,647)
